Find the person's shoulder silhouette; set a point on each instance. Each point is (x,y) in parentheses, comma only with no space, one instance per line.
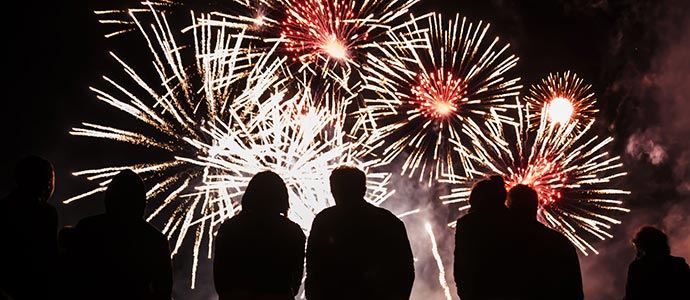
(655,273)
(356,250)
(544,255)
(28,229)
(118,254)
(259,253)
(483,236)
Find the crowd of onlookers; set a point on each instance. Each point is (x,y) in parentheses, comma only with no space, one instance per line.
(354,249)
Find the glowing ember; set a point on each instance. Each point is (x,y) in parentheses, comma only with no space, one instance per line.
(560,110)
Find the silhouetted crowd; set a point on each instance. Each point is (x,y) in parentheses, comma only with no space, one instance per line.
(354,250)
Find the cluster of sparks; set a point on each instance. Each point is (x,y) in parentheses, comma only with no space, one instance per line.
(429,82)
(436,93)
(564,164)
(218,137)
(566,99)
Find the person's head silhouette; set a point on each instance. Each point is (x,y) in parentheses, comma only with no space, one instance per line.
(488,194)
(125,197)
(266,193)
(35,177)
(348,185)
(651,241)
(523,202)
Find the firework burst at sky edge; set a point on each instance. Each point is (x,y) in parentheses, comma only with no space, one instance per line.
(200,116)
(327,39)
(571,172)
(430,79)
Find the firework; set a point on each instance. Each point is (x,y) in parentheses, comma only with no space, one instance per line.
(429,81)
(221,113)
(324,38)
(570,172)
(566,99)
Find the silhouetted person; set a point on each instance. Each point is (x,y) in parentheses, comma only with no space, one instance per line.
(259,253)
(549,266)
(356,250)
(118,255)
(28,231)
(655,274)
(484,237)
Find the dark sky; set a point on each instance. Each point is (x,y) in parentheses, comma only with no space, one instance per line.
(636,55)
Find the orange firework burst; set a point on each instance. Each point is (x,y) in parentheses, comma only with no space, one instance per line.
(566,98)
(568,169)
(431,80)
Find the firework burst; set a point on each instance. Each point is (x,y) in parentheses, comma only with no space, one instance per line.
(429,81)
(327,39)
(566,98)
(570,172)
(221,116)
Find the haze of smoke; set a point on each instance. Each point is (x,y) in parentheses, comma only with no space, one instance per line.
(657,148)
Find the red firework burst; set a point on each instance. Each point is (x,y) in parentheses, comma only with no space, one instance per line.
(438,94)
(322,28)
(543,176)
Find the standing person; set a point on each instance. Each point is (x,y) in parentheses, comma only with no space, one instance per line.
(356,250)
(484,237)
(118,255)
(28,230)
(259,253)
(655,274)
(549,266)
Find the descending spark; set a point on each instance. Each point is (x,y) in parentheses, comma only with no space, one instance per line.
(216,115)
(428,82)
(439,262)
(566,97)
(570,171)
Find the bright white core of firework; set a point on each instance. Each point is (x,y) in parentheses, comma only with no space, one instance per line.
(560,110)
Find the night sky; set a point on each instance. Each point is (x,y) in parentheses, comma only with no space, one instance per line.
(635,54)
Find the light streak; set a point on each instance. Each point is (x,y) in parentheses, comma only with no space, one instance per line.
(439,262)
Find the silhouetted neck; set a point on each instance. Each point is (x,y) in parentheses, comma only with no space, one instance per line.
(350,202)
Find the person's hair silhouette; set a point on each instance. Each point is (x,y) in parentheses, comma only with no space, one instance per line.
(266,193)
(655,274)
(489,193)
(356,250)
(649,240)
(483,236)
(118,255)
(543,255)
(348,185)
(125,196)
(35,176)
(28,229)
(259,253)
